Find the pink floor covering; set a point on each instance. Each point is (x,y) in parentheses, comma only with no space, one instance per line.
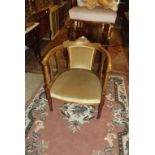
(50,133)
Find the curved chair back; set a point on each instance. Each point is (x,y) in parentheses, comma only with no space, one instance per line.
(81,57)
(81,54)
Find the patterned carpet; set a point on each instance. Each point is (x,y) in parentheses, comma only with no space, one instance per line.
(73,129)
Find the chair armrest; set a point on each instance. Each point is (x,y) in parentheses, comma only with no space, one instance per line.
(103,50)
(51,52)
(105,68)
(47,67)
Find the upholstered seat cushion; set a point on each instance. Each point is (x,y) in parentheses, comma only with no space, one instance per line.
(97,14)
(77,86)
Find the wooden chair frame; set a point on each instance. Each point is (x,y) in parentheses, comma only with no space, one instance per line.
(103,72)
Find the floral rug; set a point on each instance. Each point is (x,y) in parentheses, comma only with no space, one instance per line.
(73,129)
(77,115)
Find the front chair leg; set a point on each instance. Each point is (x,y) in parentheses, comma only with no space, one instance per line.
(49,99)
(100,106)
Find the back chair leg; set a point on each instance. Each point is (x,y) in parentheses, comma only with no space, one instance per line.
(69,31)
(100,107)
(105,30)
(111,27)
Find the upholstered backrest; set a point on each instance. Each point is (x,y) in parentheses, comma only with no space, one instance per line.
(81,57)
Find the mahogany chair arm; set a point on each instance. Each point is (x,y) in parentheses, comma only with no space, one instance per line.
(105,66)
(51,52)
(48,74)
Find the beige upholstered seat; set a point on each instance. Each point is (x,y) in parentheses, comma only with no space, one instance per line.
(78,86)
(97,14)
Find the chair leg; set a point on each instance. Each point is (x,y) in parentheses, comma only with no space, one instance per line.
(49,99)
(111,27)
(69,31)
(105,30)
(100,106)
(50,104)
